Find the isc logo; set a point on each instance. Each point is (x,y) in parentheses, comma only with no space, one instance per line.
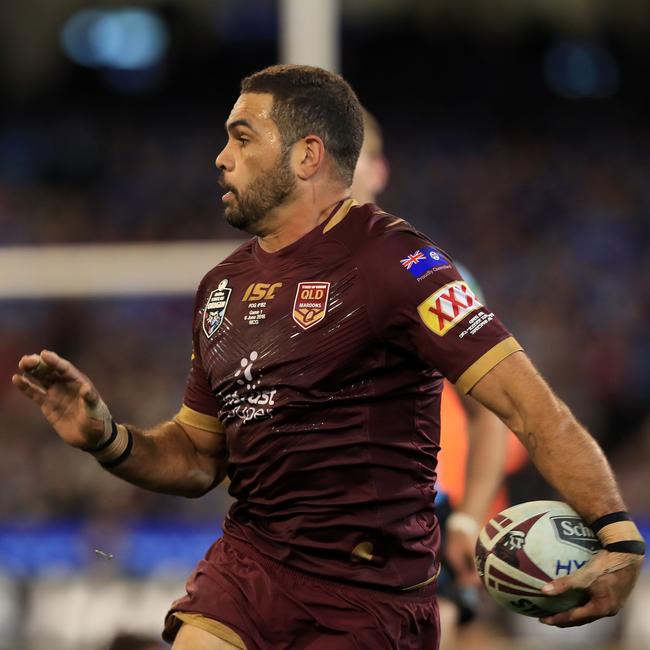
(261,291)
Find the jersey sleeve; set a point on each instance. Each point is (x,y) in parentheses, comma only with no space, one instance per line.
(418,300)
(200,408)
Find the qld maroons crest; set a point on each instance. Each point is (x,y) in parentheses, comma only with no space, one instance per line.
(310,305)
(215,308)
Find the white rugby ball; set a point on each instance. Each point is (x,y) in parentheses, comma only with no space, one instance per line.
(523,547)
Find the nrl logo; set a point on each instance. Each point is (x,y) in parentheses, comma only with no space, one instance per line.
(573,531)
(215,308)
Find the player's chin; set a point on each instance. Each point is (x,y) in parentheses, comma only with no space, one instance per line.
(235,217)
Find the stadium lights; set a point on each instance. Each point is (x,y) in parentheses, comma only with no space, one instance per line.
(120,39)
(579,70)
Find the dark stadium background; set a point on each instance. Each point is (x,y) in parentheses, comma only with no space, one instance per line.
(518,136)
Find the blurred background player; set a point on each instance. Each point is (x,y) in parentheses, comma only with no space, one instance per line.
(476,447)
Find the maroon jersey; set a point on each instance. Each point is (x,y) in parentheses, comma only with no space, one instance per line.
(324,363)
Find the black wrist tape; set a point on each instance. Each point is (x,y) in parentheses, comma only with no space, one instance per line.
(635,547)
(611,518)
(619,534)
(124,455)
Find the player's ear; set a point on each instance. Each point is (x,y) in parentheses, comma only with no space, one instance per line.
(308,156)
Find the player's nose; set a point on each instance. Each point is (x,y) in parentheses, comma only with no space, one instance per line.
(223,161)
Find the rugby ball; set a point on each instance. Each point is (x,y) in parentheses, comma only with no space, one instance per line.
(523,547)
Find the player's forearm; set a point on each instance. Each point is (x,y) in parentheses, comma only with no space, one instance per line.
(571,461)
(566,455)
(164,459)
(485,459)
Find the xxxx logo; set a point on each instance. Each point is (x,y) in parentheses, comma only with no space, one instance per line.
(448,306)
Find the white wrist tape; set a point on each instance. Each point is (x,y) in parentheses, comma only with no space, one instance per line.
(463,523)
(101,413)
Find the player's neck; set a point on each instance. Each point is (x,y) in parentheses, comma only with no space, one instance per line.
(296,219)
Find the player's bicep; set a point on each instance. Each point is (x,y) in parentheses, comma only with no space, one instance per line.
(517,393)
(205,431)
(208,439)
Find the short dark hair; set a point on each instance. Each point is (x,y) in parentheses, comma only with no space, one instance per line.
(309,100)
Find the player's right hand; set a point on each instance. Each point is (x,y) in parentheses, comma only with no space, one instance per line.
(66,397)
(608,579)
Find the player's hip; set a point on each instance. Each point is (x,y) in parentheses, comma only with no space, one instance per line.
(271,606)
(399,556)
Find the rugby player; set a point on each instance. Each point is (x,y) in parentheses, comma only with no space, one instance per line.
(320,348)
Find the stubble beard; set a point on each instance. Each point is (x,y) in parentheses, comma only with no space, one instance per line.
(249,208)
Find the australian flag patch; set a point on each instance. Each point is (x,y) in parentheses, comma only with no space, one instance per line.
(423,259)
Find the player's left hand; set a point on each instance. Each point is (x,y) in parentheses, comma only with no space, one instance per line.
(67,398)
(608,580)
(459,554)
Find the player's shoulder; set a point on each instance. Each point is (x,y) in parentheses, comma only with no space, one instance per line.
(381,235)
(371,220)
(354,223)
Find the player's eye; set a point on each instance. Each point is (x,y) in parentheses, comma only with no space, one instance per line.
(243,141)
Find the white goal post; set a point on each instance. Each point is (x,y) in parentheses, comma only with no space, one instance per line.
(102,270)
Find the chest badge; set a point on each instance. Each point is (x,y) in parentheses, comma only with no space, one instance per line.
(215,308)
(310,304)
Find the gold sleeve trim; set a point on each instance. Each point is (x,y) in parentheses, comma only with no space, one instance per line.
(198,420)
(484,364)
(216,628)
(619,531)
(340,214)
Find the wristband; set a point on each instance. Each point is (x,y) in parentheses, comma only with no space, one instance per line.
(462,522)
(619,534)
(116,449)
(108,464)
